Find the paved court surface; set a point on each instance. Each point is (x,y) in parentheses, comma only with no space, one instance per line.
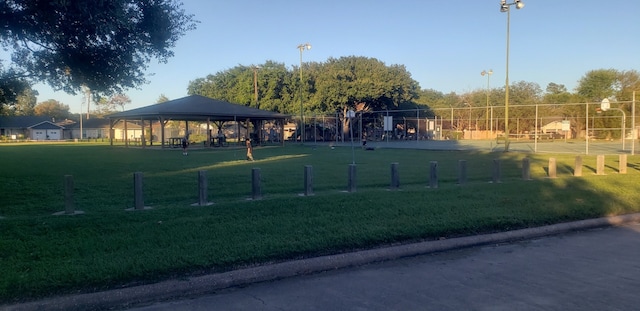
(529,146)
(597,269)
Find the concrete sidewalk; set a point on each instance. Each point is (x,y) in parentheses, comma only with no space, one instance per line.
(205,285)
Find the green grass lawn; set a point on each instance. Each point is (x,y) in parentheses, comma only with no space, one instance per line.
(43,255)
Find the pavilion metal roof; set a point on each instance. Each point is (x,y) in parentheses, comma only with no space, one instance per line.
(196,108)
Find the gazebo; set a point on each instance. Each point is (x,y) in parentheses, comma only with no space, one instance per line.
(194,108)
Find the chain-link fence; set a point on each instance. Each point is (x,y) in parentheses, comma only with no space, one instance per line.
(538,128)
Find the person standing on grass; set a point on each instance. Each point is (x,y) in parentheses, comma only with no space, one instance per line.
(185,144)
(249,150)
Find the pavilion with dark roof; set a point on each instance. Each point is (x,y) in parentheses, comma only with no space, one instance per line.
(195,108)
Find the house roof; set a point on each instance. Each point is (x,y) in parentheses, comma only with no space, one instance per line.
(91,123)
(22,122)
(197,107)
(46,125)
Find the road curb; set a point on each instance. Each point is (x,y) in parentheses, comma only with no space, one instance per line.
(201,285)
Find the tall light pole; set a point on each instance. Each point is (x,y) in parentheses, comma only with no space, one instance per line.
(255,84)
(488,74)
(470,130)
(301,47)
(504,7)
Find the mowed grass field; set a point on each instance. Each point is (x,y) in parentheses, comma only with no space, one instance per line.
(42,254)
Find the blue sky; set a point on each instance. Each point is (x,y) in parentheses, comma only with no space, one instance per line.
(443,44)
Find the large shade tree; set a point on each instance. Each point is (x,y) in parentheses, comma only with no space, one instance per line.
(52,108)
(348,81)
(105,46)
(239,84)
(23,105)
(598,84)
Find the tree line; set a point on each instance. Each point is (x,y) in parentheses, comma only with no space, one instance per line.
(367,84)
(102,49)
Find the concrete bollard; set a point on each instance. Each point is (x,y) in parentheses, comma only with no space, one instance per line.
(351,182)
(433,174)
(308,180)
(462,172)
(526,168)
(577,171)
(69,206)
(600,164)
(622,163)
(202,188)
(138,196)
(496,171)
(552,168)
(256,189)
(395,176)
(203,185)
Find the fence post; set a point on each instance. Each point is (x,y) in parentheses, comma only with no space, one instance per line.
(462,172)
(526,168)
(395,176)
(600,164)
(552,168)
(351,182)
(496,171)
(308,180)
(577,171)
(433,174)
(623,163)
(256,190)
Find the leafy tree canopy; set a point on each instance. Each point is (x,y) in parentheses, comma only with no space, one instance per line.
(24,104)
(103,45)
(596,85)
(354,82)
(52,108)
(162,98)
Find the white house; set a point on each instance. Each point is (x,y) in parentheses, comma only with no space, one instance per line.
(46,130)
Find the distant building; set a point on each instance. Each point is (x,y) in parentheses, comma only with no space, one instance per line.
(46,128)
(30,127)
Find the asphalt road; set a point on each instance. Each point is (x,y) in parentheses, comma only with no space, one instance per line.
(597,269)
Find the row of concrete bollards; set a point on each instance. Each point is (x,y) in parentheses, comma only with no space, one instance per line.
(622,166)
(256,186)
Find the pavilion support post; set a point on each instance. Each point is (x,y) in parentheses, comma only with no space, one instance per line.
(111,132)
(281,135)
(209,136)
(151,132)
(126,132)
(162,139)
(142,138)
(237,128)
